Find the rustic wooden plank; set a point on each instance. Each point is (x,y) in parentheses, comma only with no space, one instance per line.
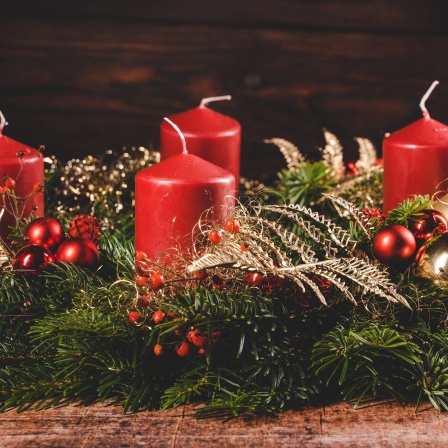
(399,15)
(384,424)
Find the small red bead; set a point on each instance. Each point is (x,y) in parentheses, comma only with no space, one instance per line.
(158,316)
(9,182)
(158,350)
(141,280)
(156,281)
(232,226)
(215,237)
(245,246)
(140,256)
(143,302)
(200,275)
(135,317)
(183,349)
(196,337)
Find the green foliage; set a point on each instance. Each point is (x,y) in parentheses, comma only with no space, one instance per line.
(408,209)
(65,336)
(305,183)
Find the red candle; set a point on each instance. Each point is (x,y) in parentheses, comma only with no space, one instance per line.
(170,199)
(415,159)
(210,135)
(21,173)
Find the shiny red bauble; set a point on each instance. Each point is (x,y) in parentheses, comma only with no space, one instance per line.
(79,251)
(45,232)
(429,224)
(32,258)
(394,246)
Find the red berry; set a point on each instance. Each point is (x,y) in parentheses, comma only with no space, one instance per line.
(38,187)
(200,275)
(183,349)
(245,246)
(141,280)
(158,350)
(140,256)
(232,226)
(9,182)
(156,281)
(143,302)
(171,314)
(215,237)
(135,317)
(196,337)
(218,282)
(158,316)
(201,351)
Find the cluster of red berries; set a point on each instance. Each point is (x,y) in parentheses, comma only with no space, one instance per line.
(8,185)
(193,339)
(147,277)
(233,227)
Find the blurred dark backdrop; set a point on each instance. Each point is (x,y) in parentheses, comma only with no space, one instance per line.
(86,76)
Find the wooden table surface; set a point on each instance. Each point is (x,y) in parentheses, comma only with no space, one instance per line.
(381,424)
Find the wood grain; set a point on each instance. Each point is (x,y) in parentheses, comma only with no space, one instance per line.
(384,424)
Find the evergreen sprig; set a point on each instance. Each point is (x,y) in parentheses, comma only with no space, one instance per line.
(271,345)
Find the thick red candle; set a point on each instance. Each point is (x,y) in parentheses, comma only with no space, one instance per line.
(415,159)
(170,199)
(25,167)
(209,134)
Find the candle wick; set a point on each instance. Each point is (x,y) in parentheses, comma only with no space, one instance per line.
(205,101)
(182,137)
(425,97)
(3,122)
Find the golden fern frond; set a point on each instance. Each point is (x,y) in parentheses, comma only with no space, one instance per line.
(367,155)
(291,153)
(332,154)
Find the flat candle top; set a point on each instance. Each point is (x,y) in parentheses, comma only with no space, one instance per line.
(204,121)
(424,132)
(9,148)
(186,167)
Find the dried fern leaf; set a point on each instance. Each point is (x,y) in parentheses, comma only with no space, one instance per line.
(300,278)
(291,153)
(366,275)
(338,236)
(360,219)
(332,154)
(290,240)
(367,155)
(230,255)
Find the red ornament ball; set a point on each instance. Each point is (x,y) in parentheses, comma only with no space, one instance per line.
(428,225)
(45,232)
(32,258)
(79,251)
(394,246)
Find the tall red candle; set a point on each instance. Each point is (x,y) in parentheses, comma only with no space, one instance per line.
(209,134)
(21,171)
(415,159)
(172,196)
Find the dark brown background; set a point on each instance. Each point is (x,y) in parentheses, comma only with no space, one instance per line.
(82,77)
